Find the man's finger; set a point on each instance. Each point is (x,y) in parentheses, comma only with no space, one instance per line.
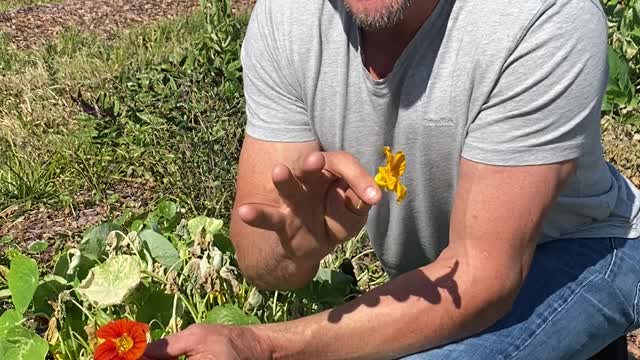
(342,215)
(171,347)
(313,174)
(347,167)
(262,216)
(286,183)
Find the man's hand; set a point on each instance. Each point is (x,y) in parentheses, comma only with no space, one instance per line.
(209,342)
(294,204)
(322,202)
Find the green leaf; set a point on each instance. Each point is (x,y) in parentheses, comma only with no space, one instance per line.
(223,243)
(110,283)
(329,287)
(48,290)
(8,319)
(154,306)
(167,209)
(230,315)
(23,280)
(137,225)
(18,343)
(161,249)
(620,89)
(72,266)
(38,246)
(5,239)
(203,223)
(93,244)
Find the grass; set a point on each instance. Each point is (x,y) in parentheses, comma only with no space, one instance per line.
(14,4)
(160,104)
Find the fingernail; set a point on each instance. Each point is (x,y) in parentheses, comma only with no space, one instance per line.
(371,192)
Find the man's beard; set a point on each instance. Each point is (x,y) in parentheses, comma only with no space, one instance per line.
(390,16)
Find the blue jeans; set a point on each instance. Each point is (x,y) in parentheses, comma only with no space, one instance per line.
(579,296)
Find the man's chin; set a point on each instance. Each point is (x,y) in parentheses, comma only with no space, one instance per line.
(377,14)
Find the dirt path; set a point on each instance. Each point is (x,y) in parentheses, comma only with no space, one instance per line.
(33,25)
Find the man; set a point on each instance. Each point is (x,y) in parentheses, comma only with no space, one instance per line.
(515,240)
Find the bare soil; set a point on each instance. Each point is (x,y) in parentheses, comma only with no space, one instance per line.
(32,25)
(62,228)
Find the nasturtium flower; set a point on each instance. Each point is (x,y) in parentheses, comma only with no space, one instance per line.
(121,340)
(388,177)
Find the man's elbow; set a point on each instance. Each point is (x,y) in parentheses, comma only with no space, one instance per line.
(498,301)
(283,276)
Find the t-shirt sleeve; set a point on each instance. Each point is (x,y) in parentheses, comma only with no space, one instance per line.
(274,107)
(545,106)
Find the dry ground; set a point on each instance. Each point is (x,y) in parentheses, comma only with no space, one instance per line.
(32,25)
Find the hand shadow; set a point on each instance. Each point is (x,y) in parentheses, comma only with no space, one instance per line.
(415,283)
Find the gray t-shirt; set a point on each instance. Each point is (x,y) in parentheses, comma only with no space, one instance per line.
(503,82)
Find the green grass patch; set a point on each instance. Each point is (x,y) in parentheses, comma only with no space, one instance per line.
(161,104)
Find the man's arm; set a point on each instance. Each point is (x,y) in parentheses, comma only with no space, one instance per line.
(294,204)
(496,218)
(260,254)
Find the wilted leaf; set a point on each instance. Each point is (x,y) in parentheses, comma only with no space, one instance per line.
(230,315)
(200,223)
(110,283)
(161,249)
(23,280)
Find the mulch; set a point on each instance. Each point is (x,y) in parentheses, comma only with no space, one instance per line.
(31,26)
(62,228)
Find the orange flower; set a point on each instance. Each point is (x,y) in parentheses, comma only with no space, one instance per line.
(121,340)
(388,176)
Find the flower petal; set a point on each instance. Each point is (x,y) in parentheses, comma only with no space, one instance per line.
(401,192)
(398,163)
(136,351)
(387,153)
(112,330)
(106,351)
(380,179)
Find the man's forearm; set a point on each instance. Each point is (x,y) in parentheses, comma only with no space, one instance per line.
(264,262)
(422,309)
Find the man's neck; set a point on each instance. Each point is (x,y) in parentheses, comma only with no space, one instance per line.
(382,48)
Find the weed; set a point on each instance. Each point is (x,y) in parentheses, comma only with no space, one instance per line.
(25,179)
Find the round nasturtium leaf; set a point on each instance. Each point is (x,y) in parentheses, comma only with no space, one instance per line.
(38,246)
(204,224)
(110,283)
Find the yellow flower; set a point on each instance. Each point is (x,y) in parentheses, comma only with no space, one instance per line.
(388,177)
